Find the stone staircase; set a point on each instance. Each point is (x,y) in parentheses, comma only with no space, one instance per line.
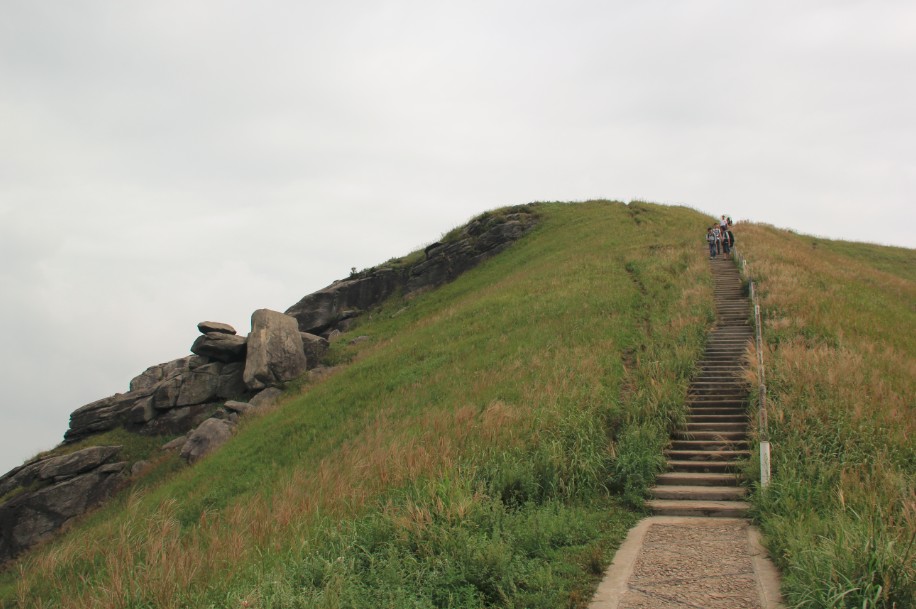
(704,457)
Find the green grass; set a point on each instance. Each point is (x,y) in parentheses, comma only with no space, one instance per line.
(839,516)
(487,446)
(492,440)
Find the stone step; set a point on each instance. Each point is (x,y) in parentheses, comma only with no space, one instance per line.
(734,385)
(707,446)
(718,509)
(739,425)
(740,413)
(711,397)
(697,479)
(679,465)
(712,435)
(703,403)
(735,418)
(733,376)
(726,411)
(707,455)
(729,418)
(698,493)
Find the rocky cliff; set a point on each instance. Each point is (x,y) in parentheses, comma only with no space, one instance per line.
(485,236)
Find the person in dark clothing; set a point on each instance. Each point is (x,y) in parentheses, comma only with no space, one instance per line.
(728,242)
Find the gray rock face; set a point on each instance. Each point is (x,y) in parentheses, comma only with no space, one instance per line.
(178,420)
(54,490)
(206,327)
(208,436)
(275,353)
(220,347)
(104,414)
(200,385)
(231,381)
(155,374)
(167,392)
(482,238)
(323,309)
(315,348)
(78,462)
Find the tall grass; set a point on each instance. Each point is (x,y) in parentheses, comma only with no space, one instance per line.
(840,514)
(471,454)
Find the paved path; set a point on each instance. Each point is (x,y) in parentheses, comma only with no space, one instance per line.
(690,563)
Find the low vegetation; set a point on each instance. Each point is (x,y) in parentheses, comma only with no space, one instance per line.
(840,514)
(492,440)
(488,446)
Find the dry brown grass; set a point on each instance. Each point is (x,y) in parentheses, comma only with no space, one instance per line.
(151,558)
(840,362)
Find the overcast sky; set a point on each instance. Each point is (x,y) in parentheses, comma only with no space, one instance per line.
(163,163)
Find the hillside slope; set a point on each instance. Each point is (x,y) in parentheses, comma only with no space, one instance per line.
(488,444)
(461,456)
(840,329)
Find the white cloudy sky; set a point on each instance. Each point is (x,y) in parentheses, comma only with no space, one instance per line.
(166,162)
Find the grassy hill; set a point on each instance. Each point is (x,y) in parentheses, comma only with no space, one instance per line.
(840,328)
(489,444)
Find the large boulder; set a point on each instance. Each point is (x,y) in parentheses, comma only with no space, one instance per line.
(220,346)
(275,353)
(315,348)
(206,327)
(266,398)
(208,436)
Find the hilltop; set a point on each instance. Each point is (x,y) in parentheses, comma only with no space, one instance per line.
(488,442)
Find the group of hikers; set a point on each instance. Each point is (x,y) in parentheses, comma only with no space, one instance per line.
(720,238)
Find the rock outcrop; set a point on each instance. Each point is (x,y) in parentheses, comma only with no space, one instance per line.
(487,235)
(200,397)
(168,398)
(53,490)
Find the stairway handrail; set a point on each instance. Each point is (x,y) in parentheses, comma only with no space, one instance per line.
(762,388)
